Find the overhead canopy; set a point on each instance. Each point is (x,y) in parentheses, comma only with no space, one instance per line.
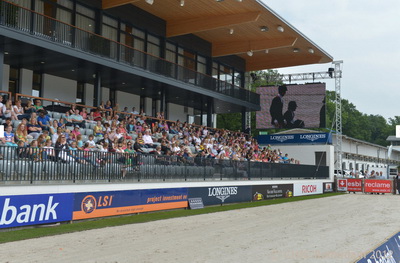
(235,27)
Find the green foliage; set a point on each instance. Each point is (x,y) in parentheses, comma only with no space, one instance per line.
(370,128)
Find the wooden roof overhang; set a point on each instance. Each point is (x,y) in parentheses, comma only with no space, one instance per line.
(235,27)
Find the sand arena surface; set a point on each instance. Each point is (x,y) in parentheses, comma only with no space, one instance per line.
(334,229)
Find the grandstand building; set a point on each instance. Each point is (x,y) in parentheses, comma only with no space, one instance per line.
(187,59)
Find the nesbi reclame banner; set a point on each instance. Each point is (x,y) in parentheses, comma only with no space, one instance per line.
(304,138)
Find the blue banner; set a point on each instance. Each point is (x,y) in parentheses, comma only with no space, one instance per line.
(385,253)
(24,210)
(304,138)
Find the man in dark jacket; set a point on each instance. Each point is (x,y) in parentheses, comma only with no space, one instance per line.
(277,107)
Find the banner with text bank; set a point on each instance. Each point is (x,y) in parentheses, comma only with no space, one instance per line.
(25,210)
(308,189)
(102,204)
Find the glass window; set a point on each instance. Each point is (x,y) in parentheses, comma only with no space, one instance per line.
(110,28)
(153,45)
(85,18)
(80,93)
(201,64)
(13,82)
(37,84)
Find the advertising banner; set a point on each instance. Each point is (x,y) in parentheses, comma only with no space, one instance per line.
(307,138)
(354,185)
(261,192)
(328,187)
(387,252)
(307,189)
(377,186)
(222,194)
(101,204)
(342,185)
(24,210)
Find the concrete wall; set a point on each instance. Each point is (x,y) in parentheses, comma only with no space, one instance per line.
(129,100)
(6,77)
(176,112)
(89,94)
(59,88)
(306,154)
(105,94)
(26,79)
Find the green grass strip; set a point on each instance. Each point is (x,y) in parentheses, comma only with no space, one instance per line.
(22,234)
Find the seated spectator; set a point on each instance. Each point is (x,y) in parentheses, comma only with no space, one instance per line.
(77,119)
(8,110)
(138,128)
(62,149)
(34,151)
(48,152)
(1,108)
(98,129)
(19,111)
(72,110)
(137,146)
(108,105)
(134,111)
(34,129)
(38,105)
(44,120)
(29,108)
(148,140)
(8,138)
(75,132)
(54,126)
(84,114)
(130,127)
(21,134)
(106,140)
(8,123)
(55,136)
(91,143)
(96,115)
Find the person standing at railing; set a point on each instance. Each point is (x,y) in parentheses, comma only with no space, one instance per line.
(1,108)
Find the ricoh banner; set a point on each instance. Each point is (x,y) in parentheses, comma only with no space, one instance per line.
(308,189)
(222,194)
(307,138)
(25,210)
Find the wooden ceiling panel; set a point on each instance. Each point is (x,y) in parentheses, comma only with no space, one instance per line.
(212,21)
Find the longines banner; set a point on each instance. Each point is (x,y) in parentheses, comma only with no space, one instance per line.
(100,204)
(261,192)
(305,138)
(222,194)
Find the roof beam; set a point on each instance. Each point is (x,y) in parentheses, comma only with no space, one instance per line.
(106,4)
(199,24)
(239,47)
(272,62)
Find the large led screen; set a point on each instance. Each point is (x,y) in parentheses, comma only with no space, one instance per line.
(292,106)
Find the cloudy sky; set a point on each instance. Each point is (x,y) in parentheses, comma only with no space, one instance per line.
(365,34)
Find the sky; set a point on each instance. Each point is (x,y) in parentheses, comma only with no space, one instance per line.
(365,34)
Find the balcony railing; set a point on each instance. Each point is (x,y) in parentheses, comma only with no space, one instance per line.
(48,28)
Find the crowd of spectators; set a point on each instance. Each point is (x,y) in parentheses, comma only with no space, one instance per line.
(43,135)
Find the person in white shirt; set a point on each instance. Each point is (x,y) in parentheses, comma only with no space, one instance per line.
(148,141)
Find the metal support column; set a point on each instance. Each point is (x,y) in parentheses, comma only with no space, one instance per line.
(97,90)
(338,146)
(209,112)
